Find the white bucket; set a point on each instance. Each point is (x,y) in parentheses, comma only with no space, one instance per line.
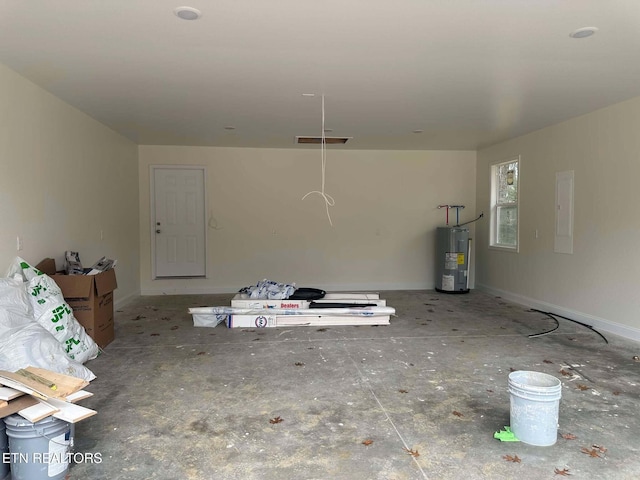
(38,451)
(4,450)
(535,401)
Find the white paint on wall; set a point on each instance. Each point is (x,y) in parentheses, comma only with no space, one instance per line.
(384,219)
(67,182)
(600,279)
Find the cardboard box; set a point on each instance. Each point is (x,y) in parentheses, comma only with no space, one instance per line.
(91,298)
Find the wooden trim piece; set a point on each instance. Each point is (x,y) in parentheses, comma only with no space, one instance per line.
(70,412)
(17,404)
(37,412)
(7,393)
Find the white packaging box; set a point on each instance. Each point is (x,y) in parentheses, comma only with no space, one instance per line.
(242,300)
(251,321)
(265,321)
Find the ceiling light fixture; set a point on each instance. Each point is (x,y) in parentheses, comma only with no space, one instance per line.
(187,13)
(583,32)
(418,131)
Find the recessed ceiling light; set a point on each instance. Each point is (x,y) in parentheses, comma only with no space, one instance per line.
(229,127)
(583,32)
(188,13)
(308,94)
(418,131)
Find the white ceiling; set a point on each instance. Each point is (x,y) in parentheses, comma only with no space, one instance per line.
(469,73)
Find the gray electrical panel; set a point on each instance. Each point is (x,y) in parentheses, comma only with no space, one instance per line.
(452,260)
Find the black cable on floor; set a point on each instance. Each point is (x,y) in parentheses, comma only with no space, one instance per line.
(548,331)
(554,315)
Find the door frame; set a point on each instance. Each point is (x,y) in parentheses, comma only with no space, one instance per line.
(152,215)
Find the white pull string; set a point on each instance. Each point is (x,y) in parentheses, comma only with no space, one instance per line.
(328,199)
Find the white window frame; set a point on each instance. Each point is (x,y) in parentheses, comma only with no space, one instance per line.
(496,204)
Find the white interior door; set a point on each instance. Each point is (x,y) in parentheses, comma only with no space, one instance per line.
(179,222)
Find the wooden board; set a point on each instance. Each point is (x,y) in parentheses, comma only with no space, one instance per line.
(66,384)
(37,412)
(70,412)
(18,385)
(14,406)
(79,395)
(7,393)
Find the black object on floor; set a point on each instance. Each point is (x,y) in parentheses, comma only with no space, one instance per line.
(340,305)
(307,294)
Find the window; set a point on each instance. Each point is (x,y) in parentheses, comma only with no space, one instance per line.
(504,204)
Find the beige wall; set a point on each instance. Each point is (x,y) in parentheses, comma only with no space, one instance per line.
(599,282)
(64,178)
(384,219)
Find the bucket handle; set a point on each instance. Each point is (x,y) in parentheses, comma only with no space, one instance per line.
(41,433)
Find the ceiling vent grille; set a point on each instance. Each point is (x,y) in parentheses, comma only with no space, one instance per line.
(318,140)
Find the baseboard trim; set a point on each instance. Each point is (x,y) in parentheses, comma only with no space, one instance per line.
(356,287)
(121,302)
(596,322)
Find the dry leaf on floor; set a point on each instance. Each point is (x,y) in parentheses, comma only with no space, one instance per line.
(565,373)
(175,327)
(155,334)
(299,364)
(276,420)
(514,459)
(201,353)
(139,317)
(591,452)
(413,453)
(322,329)
(582,387)
(617,392)
(367,442)
(600,447)
(490,391)
(402,390)
(564,472)
(547,361)
(512,369)
(457,413)
(569,436)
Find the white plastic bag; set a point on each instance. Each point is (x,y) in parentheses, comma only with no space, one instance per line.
(33,346)
(52,312)
(24,342)
(13,296)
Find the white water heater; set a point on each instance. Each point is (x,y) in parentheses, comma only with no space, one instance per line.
(452,260)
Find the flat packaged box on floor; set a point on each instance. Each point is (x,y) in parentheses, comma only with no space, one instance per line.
(242,300)
(312,320)
(91,298)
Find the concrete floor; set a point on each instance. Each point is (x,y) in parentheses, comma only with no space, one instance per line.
(179,402)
